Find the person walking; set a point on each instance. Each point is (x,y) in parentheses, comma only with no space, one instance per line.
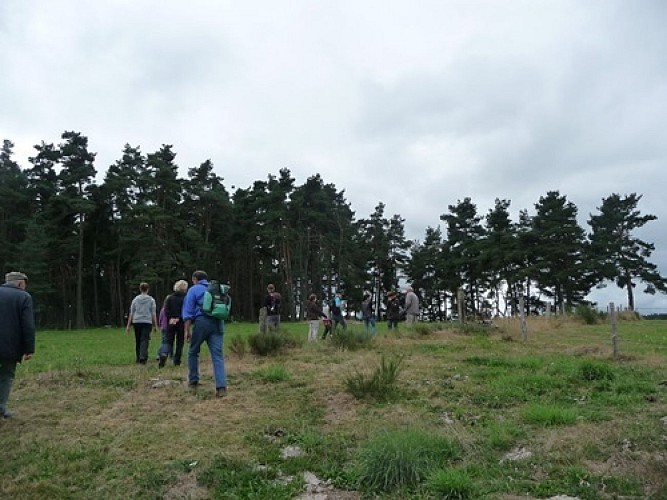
(17,335)
(313,314)
(336,310)
(175,332)
(411,306)
(200,328)
(143,317)
(393,310)
(272,303)
(368,315)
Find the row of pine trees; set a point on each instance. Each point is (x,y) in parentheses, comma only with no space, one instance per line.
(86,245)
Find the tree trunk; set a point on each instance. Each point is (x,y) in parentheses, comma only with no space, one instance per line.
(79,278)
(631,295)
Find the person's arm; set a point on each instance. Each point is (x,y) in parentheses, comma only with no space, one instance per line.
(186,328)
(188,313)
(130,317)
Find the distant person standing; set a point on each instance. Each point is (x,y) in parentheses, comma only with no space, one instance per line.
(17,334)
(200,328)
(336,310)
(411,306)
(313,314)
(143,317)
(368,314)
(393,310)
(272,303)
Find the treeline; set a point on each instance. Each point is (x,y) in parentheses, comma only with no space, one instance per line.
(87,246)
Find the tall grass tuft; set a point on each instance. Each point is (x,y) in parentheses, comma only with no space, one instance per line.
(549,415)
(238,345)
(273,373)
(379,385)
(399,459)
(451,484)
(595,370)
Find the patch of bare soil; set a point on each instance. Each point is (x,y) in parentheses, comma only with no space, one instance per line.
(341,409)
(186,488)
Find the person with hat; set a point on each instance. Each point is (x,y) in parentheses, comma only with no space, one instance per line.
(393,310)
(17,334)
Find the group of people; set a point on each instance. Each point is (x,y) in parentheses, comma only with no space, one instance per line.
(315,313)
(182,319)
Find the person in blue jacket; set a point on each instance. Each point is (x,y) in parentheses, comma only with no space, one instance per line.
(17,335)
(200,328)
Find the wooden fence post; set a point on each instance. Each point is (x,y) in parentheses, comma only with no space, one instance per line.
(522,316)
(614,337)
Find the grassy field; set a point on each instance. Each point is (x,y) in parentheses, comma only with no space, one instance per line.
(431,412)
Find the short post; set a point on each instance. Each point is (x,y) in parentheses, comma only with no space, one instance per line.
(614,337)
(522,316)
(460,300)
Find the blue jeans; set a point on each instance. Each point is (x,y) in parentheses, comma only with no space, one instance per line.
(211,331)
(7,373)
(369,322)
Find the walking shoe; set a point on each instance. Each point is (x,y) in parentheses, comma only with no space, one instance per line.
(7,414)
(220,392)
(163,360)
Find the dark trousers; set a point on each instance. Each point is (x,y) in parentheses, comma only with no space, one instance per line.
(142,336)
(177,334)
(7,373)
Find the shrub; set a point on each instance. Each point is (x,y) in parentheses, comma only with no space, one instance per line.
(379,385)
(451,484)
(587,314)
(397,459)
(351,339)
(266,344)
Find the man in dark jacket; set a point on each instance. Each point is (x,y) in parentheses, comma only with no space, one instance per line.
(17,332)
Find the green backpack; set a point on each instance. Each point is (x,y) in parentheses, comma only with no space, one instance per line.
(217,301)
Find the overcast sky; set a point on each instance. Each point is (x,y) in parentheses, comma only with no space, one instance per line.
(417,104)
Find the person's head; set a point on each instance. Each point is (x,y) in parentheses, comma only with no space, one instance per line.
(144,287)
(270,288)
(181,286)
(197,276)
(312,297)
(17,279)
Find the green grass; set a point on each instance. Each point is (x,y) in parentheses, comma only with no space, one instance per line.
(91,424)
